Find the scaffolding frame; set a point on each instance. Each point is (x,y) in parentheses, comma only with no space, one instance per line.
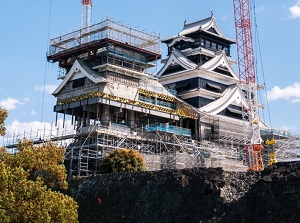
(230,139)
(162,146)
(106,29)
(161,149)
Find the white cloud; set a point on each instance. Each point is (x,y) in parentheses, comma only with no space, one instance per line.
(295,10)
(286,128)
(49,88)
(26,99)
(33,112)
(260,9)
(10,103)
(290,93)
(225,17)
(295,100)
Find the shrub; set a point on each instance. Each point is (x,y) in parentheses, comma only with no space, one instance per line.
(122,160)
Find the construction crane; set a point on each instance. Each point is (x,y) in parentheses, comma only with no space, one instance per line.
(86,13)
(252,141)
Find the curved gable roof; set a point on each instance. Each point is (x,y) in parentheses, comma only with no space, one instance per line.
(231,95)
(220,60)
(204,24)
(177,58)
(179,38)
(80,69)
(208,25)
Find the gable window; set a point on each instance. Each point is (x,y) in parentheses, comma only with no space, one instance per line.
(223,70)
(233,112)
(236,111)
(212,30)
(78,82)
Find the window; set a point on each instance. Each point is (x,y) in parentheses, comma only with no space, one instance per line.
(214,46)
(207,43)
(197,43)
(202,42)
(181,86)
(226,50)
(78,82)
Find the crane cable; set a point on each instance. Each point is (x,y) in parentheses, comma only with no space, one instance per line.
(45,71)
(261,62)
(271,153)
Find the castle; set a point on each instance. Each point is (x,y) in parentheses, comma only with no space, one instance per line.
(188,114)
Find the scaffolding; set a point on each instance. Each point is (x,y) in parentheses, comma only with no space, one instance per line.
(100,32)
(61,135)
(163,146)
(284,145)
(229,135)
(160,149)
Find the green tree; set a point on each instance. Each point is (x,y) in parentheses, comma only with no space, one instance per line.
(3,116)
(44,162)
(26,182)
(23,200)
(122,160)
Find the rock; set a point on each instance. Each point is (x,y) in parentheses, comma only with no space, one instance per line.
(267,178)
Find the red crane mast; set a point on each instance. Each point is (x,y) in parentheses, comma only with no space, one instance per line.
(252,139)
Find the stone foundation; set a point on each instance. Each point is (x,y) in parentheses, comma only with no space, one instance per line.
(191,195)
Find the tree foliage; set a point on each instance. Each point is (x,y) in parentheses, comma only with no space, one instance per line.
(3,116)
(123,160)
(44,162)
(26,182)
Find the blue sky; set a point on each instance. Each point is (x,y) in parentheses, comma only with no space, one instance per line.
(25,29)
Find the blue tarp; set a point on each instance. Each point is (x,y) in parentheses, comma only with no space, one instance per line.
(168,128)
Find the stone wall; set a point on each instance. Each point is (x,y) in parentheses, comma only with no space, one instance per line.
(191,195)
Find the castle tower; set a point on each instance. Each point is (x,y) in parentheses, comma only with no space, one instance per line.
(103,74)
(199,68)
(106,82)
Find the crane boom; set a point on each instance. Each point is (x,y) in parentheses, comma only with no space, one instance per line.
(252,139)
(86,13)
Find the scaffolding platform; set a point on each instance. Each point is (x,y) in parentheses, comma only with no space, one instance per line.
(96,36)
